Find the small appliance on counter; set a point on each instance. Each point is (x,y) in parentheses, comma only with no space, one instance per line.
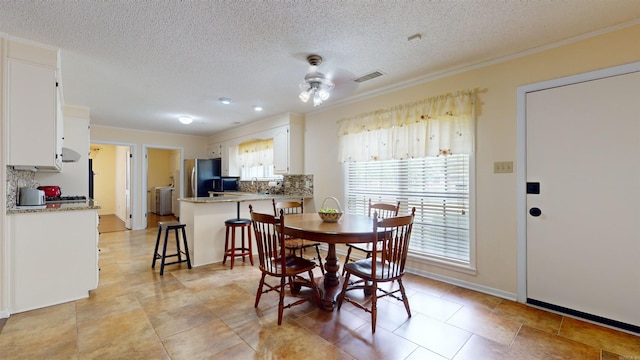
(50,190)
(226,184)
(30,197)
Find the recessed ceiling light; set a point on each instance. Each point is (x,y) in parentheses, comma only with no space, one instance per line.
(185,120)
(225,101)
(257,107)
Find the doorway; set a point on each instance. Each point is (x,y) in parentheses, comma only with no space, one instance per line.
(578,194)
(162,180)
(110,181)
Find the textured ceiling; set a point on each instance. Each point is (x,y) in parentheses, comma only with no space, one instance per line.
(141,64)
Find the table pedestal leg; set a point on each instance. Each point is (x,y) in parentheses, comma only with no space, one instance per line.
(331,284)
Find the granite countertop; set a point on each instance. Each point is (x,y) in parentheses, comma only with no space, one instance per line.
(85,205)
(236,197)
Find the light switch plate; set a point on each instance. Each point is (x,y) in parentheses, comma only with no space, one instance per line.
(501,167)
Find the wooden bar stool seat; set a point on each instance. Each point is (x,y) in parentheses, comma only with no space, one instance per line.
(230,249)
(168,226)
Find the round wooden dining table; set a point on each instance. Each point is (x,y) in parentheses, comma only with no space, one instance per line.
(349,229)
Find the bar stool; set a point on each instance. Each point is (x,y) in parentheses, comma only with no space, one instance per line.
(167,226)
(230,249)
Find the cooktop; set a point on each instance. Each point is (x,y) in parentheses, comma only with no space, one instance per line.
(65,199)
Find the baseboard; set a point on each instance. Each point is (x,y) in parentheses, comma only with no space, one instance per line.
(4,314)
(465,284)
(449,280)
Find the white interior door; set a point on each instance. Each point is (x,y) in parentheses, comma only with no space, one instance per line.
(583,148)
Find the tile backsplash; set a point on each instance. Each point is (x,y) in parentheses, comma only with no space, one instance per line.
(298,185)
(290,185)
(17,179)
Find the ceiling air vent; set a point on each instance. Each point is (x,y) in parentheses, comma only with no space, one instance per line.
(369,76)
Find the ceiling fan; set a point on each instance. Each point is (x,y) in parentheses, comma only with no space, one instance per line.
(316,85)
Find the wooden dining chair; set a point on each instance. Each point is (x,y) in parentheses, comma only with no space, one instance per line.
(386,264)
(295,245)
(384,211)
(276,262)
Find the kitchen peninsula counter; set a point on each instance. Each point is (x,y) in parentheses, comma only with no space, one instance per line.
(54,207)
(205,217)
(235,197)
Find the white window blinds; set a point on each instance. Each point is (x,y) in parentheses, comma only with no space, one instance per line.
(438,187)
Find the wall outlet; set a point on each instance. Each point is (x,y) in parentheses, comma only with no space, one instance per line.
(501,167)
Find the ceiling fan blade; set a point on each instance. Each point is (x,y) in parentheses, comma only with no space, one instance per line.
(344,84)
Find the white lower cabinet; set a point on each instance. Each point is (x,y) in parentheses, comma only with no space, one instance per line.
(54,257)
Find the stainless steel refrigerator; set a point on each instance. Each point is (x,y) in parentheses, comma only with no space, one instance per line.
(200,175)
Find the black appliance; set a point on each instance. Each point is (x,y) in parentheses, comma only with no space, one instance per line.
(200,175)
(226,184)
(91,174)
(64,199)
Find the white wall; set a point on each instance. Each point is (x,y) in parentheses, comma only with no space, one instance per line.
(120,175)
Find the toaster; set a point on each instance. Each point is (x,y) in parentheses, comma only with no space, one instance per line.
(30,197)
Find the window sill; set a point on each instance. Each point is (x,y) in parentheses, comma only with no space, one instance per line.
(442,263)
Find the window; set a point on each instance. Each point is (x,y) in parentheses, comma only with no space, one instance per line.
(420,154)
(256,159)
(258,172)
(438,187)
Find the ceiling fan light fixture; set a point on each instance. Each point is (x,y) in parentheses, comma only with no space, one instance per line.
(324,95)
(305,95)
(317,100)
(315,84)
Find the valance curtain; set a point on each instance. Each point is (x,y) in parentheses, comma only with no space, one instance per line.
(256,153)
(435,126)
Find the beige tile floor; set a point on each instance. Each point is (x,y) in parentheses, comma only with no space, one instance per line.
(207,313)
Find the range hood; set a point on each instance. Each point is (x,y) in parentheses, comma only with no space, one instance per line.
(69,155)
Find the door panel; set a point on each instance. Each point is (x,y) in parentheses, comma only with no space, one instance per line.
(583,147)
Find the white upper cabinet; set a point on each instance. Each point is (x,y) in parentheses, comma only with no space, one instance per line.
(287,131)
(215,151)
(230,161)
(288,148)
(281,150)
(35,129)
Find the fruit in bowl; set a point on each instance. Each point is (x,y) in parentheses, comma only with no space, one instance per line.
(330,214)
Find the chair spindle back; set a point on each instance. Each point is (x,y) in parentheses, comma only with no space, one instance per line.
(269,236)
(289,207)
(394,234)
(384,210)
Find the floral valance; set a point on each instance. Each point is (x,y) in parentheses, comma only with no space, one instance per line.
(255,145)
(256,153)
(435,126)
